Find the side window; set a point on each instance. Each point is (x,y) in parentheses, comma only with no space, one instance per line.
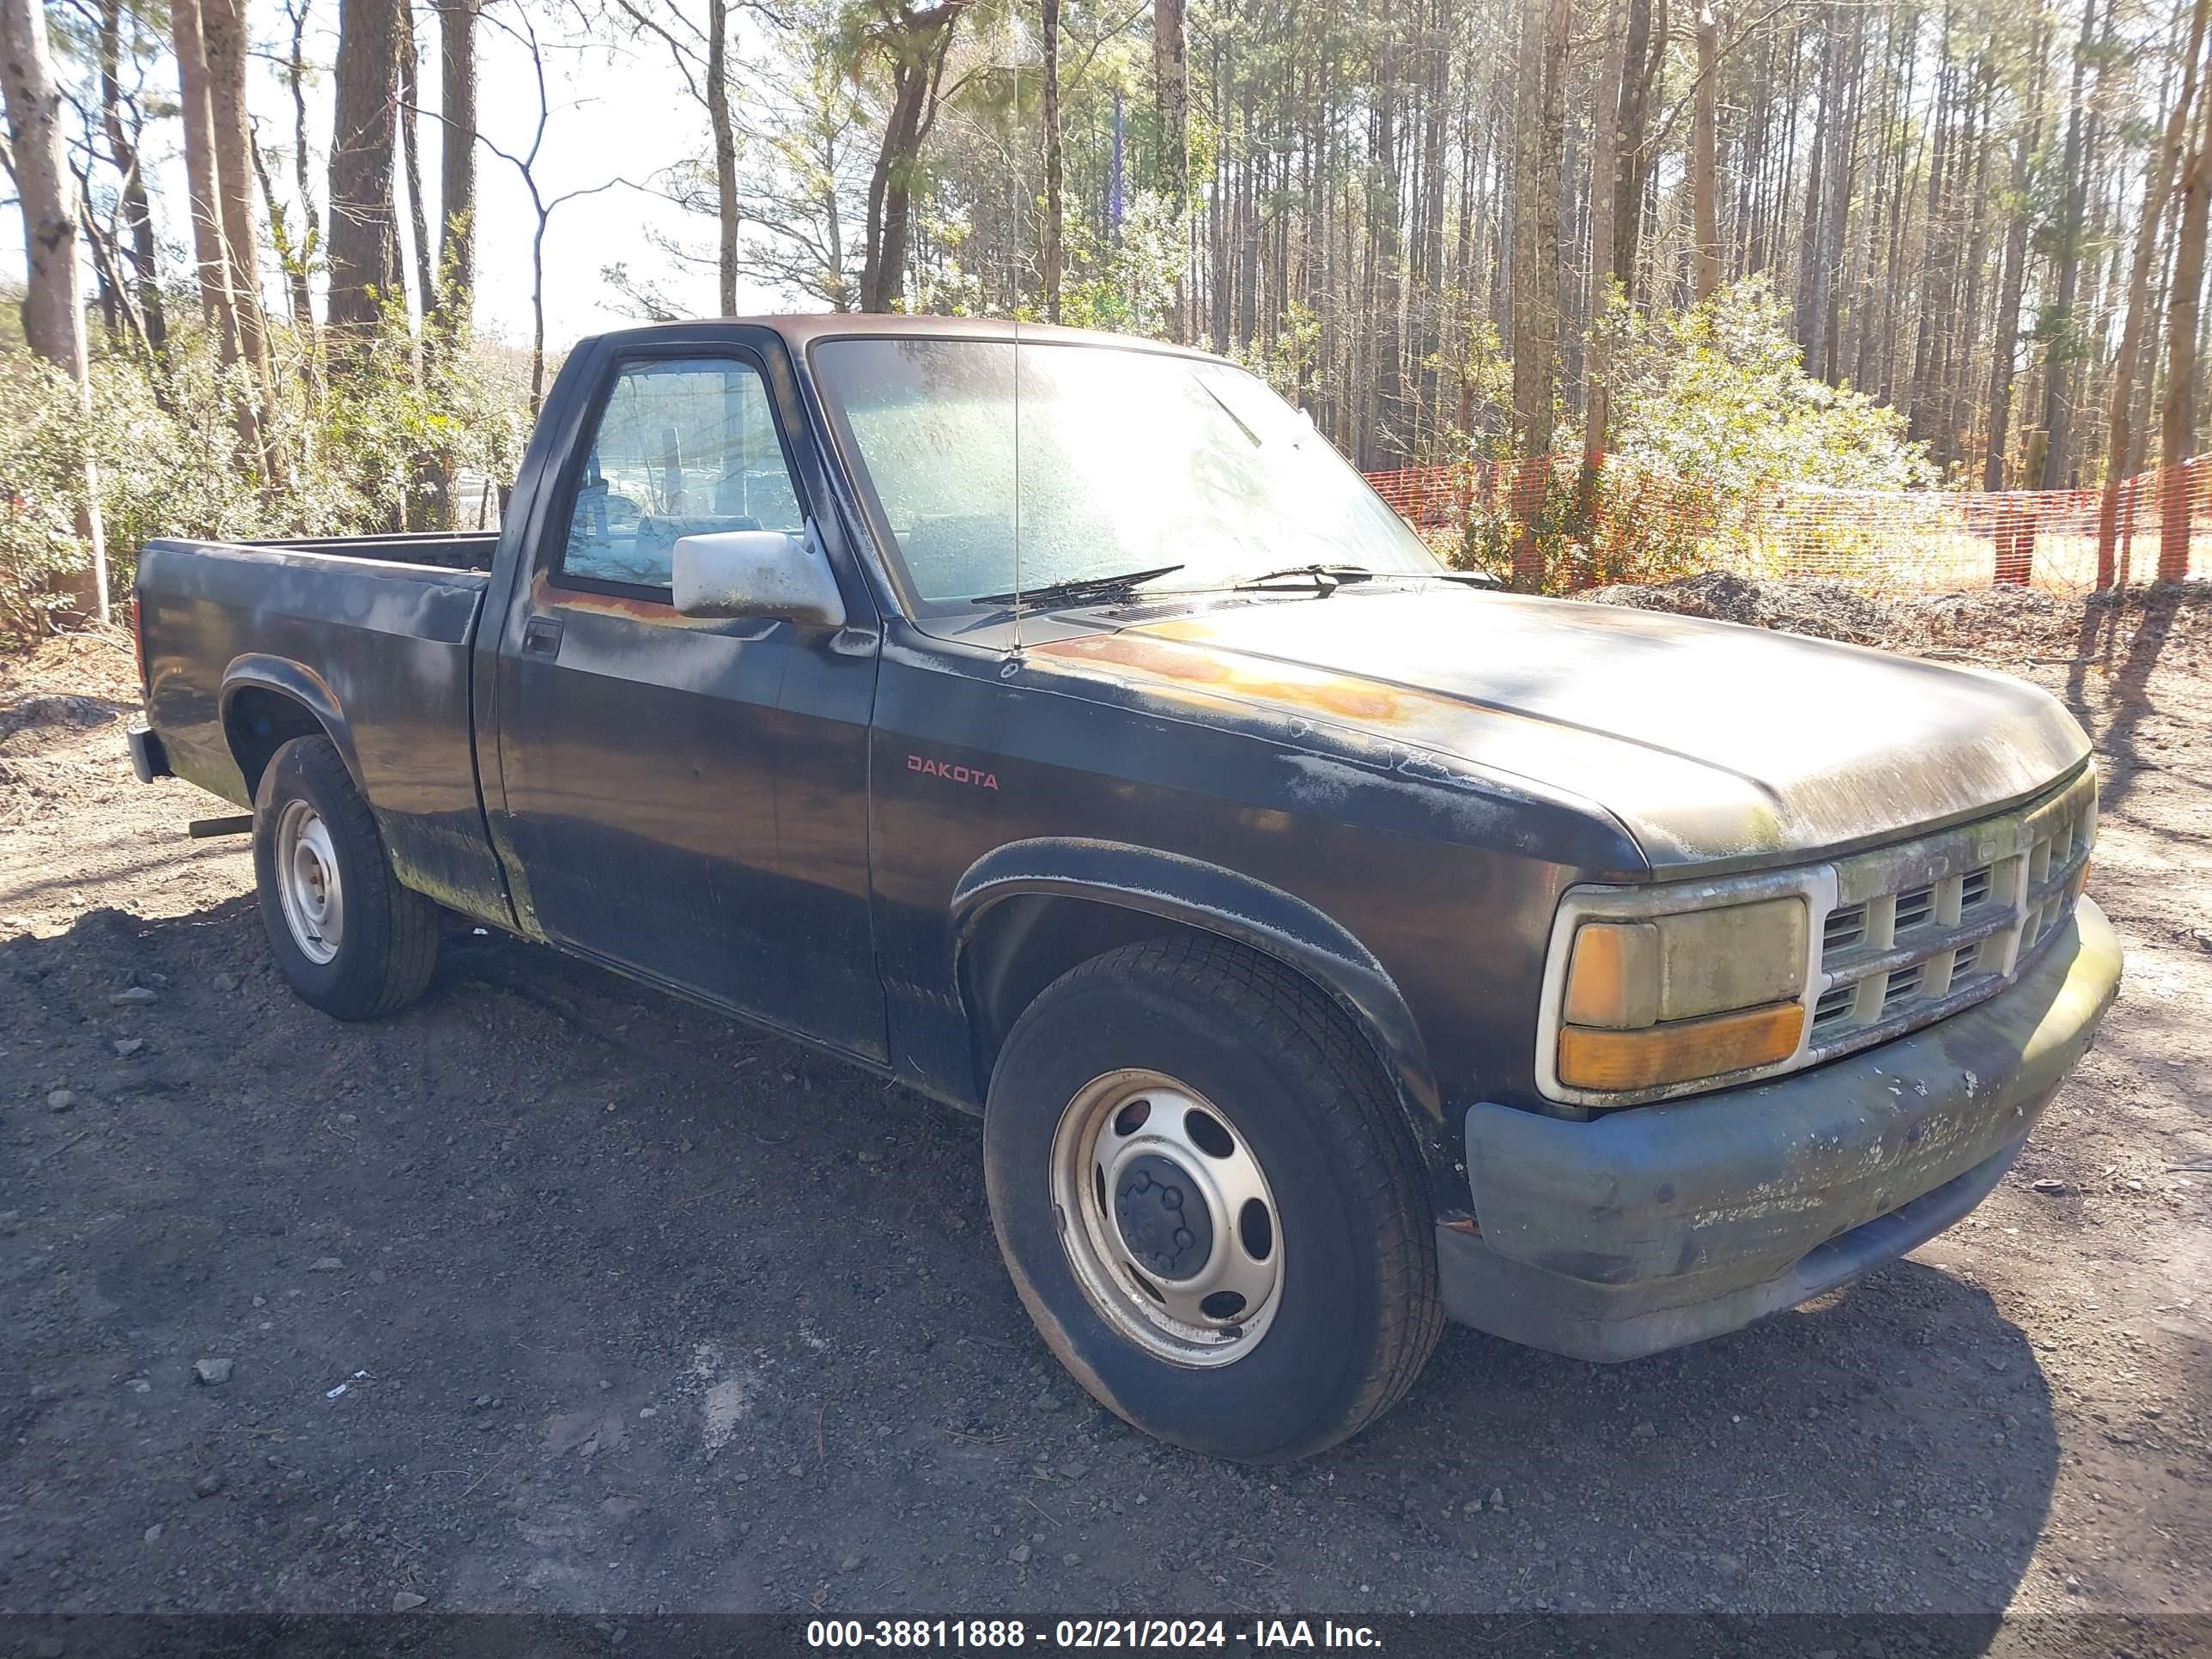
(683,448)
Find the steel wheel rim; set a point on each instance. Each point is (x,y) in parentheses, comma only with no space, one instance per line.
(307,884)
(1167,1218)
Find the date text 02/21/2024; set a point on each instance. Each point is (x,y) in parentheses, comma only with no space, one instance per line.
(854,1634)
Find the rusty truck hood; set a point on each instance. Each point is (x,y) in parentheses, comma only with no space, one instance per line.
(1711,742)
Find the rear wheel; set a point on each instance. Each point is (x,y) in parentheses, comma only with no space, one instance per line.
(1208,1202)
(348,937)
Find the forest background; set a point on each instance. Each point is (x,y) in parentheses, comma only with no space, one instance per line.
(1624,268)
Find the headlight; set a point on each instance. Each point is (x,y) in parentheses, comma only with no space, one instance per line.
(1651,997)
(1674,986)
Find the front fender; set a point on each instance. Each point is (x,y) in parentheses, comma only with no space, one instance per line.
(1219,900)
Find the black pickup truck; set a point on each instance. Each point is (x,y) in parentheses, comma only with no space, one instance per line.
(1055,723)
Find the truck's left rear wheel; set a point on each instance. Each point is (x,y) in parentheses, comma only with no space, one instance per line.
(308,885)
(348,937)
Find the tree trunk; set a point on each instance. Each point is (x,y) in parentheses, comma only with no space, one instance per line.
(1171,98)
(457,206)
(53,301)
(1843,176)
(2012,278)
(1934,301)
(1644,48)
(1385,385)
(2177,424)
(917,43)
(1053,207)
(361,206)
(1536,274)
(1426,289)
(2120,437)
(726,154)
(883,263)
(411,159)
(131,193)
(1597,401)
(2058,354)
(1811,272)
(218,302)
(222,30)
(1705,166)
(218,281)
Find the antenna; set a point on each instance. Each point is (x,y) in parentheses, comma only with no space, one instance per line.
(1018,489)
(1015,661)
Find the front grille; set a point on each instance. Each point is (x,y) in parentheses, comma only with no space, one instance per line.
(1833,1005)
(1844,927)
(1915,908)
(1924,927)
(1909,933)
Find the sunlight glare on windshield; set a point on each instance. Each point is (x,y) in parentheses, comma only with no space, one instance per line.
(1128,459)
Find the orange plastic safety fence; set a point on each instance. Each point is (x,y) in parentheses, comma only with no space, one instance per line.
(1562,529)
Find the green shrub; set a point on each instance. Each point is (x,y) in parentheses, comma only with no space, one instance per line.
(368,445)
(1714,421)
(1719,394)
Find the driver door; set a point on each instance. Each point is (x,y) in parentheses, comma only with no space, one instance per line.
(687,798)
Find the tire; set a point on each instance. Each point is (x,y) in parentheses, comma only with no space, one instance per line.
(369,948)
(1172,1026)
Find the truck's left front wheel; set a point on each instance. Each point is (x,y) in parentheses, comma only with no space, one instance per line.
(348,937)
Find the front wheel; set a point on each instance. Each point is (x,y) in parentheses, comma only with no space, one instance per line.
(1208,1202)
(348,937)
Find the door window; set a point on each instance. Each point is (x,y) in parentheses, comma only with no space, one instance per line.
(683,448)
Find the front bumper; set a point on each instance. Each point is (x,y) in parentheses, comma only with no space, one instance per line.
(1657,1225)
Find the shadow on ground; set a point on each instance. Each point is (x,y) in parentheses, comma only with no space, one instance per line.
(554,1292)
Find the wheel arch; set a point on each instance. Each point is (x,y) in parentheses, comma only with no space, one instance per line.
(266,702)
(1027,912)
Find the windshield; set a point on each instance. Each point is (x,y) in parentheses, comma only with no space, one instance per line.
(1128,461)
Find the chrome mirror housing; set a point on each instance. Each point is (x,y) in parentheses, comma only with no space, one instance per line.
(758,573)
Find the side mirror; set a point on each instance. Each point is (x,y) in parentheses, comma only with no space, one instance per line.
(758,573)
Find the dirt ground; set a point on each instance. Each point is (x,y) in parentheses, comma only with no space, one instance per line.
(553,1294)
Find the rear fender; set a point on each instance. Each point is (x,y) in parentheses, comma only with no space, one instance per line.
(301,685)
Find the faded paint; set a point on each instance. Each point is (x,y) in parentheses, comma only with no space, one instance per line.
(1717,745)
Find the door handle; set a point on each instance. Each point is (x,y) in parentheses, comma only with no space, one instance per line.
(541,637)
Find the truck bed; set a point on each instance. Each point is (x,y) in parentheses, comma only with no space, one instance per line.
(470,551)
(372,634)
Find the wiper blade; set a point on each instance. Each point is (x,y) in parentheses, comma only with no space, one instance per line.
(1080,587)
(1327,578)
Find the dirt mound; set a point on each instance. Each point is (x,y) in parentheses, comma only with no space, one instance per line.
(1997,624)
(35,712)
(1825,610)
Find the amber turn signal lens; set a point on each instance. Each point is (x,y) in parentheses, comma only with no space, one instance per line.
(1612,979)
(1681,1051)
